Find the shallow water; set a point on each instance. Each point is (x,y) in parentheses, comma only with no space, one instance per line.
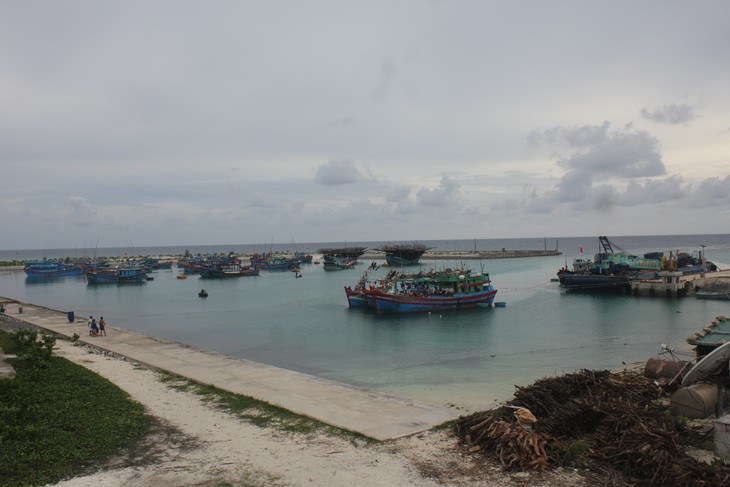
(471,358)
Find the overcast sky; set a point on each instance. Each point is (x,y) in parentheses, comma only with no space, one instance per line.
(224,122)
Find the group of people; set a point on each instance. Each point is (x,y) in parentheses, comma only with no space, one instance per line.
(97,329)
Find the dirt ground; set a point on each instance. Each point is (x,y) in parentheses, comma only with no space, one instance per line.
(195,444)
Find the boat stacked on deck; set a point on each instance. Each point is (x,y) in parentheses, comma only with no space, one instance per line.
(422,292)
(403,254)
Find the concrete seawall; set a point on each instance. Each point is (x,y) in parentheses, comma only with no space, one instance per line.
(481,254)
(371,413)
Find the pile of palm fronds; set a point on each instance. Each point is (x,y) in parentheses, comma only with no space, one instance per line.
(593,415)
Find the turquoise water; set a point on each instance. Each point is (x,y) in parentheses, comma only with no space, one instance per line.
(471,358)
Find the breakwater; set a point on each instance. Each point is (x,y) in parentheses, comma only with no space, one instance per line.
(477,255)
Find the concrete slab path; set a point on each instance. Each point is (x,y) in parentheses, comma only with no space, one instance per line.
(368,412)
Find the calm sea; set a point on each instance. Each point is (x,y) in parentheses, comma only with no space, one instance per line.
(471,359)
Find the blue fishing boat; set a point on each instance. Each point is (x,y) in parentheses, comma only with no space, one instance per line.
(52,268)
(426,291)
(116,275)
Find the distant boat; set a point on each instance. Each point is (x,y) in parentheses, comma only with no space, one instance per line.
(116,275)
(271,262)
(203,293)
(403,254)
(337,259)
(52,268)
(231,269)
(713,295)
(337,263)
(426,291)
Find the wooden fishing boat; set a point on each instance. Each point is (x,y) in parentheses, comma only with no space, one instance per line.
(426,291)
(116,275)
(337,259)
(722,295)
(403,254)
(231,269)
(337,263)
(52,268)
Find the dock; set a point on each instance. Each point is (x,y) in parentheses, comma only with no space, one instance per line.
(675,284)
(473,255)
(370,413)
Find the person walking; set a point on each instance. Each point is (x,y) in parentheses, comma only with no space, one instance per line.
(102,327)
(91,318)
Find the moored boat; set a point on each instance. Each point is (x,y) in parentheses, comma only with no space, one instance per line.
(230,269)
(426,291)
(721,295)
(337,263)
(52,268)
(116,275)
(403,254)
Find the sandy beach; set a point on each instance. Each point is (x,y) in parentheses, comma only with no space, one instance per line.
(196,444)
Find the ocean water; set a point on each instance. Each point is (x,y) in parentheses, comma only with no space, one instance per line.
(471,359)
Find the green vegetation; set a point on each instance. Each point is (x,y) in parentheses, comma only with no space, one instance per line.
(261,413)
(12,263)
(57,418)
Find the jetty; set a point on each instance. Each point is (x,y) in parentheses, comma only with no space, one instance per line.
(676,284)
(368,412)
(474,255)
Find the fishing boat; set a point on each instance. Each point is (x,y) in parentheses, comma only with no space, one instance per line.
(403,254)
(337,263)
(337,259)
(356,295)
(426,291)
(721,295)
(52,268)
(116,275)
(269,262)
(229,269)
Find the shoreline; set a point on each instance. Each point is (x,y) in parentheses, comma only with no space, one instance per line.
(369,412)
(197,443)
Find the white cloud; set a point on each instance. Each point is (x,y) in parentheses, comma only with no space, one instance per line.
(341,172)
(334,121)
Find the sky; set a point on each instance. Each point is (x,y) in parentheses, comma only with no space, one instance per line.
(177,122)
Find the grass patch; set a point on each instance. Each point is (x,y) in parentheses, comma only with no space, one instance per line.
(59,420)
(263,414)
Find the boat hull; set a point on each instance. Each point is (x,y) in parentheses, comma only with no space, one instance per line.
(53,270)
(386,303)
(107,277)
(713,295)
(356,299)
(595,282)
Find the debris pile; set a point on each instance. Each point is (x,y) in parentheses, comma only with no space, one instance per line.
(616,418)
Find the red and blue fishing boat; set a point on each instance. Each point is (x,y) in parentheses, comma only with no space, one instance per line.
(426,291)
